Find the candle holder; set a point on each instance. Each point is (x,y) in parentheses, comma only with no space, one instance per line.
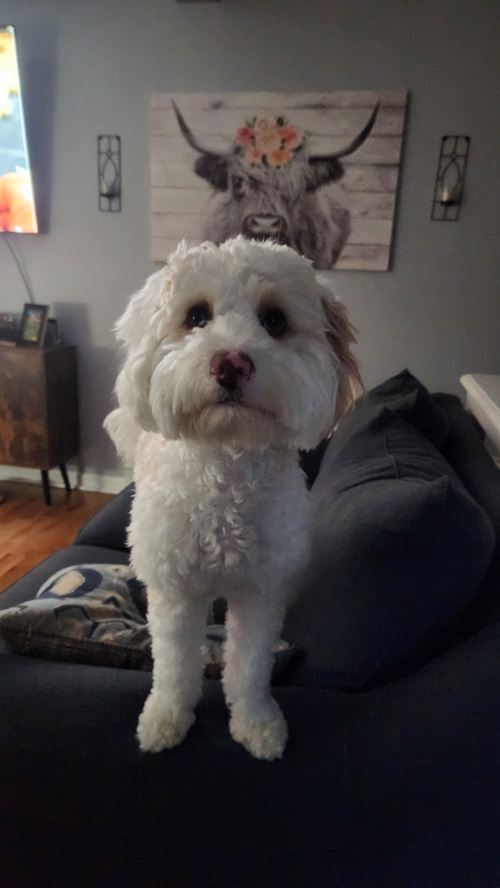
(450,178)
(109,169)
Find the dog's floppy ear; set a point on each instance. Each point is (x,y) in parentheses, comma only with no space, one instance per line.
(137,329)
(136,318)
(341,335)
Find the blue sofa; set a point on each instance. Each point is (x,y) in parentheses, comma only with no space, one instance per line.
(391,778)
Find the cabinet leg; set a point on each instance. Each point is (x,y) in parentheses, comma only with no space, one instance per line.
(46,487)
(65,477)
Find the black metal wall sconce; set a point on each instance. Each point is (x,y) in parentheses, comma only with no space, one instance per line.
(450,178)
(109,168)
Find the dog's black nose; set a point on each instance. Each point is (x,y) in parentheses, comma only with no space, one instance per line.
(232,369)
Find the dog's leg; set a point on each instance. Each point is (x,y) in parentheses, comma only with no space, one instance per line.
(177,631)
(253,626)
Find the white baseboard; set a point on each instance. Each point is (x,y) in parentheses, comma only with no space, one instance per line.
(88,480)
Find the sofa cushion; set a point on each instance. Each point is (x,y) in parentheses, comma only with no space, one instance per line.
(481,477)
(399,546)
(97,614)
(402,395)
(108,527)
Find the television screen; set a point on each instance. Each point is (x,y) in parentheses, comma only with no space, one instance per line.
(17,204)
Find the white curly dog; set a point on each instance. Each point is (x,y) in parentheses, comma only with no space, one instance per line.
(236,356)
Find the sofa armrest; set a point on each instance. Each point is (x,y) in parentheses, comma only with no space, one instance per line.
(108,527)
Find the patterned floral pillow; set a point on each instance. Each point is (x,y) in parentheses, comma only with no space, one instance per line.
(96,614)
(89,613)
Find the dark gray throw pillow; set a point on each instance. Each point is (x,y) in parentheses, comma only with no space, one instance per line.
(399,547)
(403,394)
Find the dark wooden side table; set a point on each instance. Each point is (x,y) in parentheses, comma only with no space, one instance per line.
(38,409)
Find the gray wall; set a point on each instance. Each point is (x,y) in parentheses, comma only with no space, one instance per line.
(89,68)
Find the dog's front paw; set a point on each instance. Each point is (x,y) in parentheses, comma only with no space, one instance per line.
(159,728)
(264,739)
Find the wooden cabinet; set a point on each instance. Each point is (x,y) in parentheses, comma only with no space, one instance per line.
(38,409)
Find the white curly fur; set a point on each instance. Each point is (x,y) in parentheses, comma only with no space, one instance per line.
(221,507)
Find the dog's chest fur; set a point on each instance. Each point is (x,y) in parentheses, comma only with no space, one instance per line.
(217,510)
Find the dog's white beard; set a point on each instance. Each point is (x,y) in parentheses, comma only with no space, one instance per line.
(291,402)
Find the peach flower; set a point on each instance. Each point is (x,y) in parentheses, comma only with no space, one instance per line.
(279,158)
(266,122)
(268,141)
(290,135)
(253,155)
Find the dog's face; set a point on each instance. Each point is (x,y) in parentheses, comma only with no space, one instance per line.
(238,344)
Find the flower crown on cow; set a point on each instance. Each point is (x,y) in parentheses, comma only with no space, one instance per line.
(268,141)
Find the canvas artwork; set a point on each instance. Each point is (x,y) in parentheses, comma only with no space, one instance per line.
(316,171)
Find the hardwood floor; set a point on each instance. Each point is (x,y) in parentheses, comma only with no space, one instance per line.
(30,530)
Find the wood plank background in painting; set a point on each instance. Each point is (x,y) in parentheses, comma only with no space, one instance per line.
(180,199)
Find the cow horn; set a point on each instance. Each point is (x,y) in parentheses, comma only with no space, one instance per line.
(190,139)
(354,145)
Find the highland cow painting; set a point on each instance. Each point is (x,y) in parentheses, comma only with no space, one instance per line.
(316,171)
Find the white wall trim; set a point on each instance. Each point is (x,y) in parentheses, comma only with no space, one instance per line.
(88,480)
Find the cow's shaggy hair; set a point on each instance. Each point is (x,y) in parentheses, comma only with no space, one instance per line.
(312,220)
(224,399)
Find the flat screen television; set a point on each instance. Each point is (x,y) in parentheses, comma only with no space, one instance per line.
(17,203)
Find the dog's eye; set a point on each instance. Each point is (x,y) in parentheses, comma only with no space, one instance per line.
(274,321)
(198,316)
